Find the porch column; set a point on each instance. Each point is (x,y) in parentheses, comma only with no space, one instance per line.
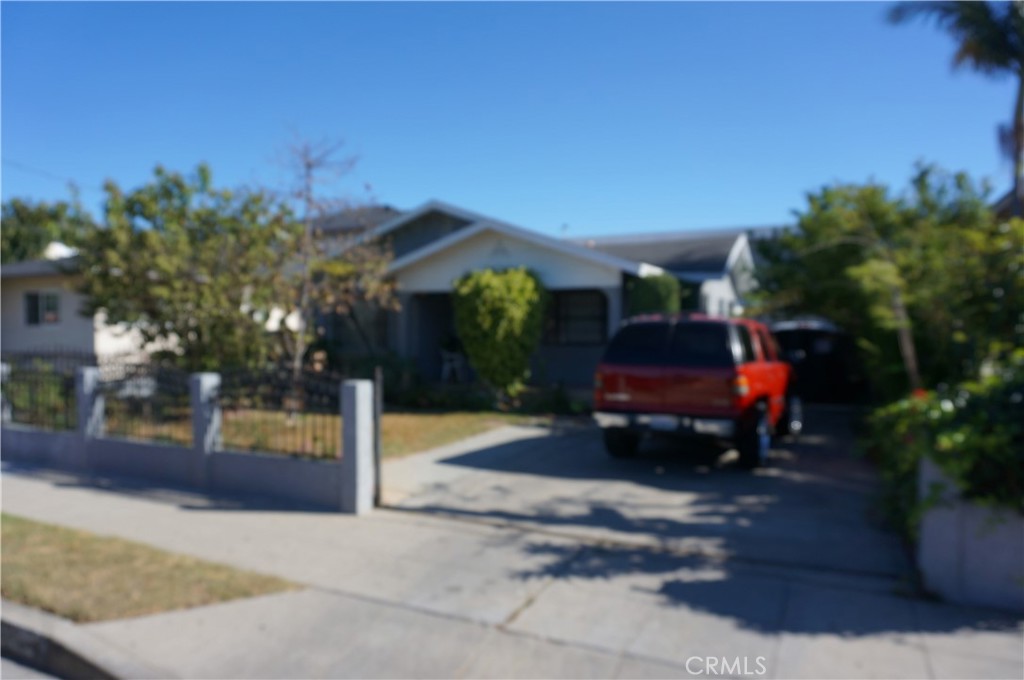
(614,296)
(405,324)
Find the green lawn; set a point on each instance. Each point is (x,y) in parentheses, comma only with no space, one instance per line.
(84,577)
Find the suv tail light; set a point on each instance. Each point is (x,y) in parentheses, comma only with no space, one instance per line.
(740,386)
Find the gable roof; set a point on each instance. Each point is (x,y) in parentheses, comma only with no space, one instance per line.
(483,225)
(30,268)
(693,253)
(430,206)
(356,219)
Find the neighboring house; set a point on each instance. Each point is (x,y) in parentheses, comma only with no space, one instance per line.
(433,245)
(40,313)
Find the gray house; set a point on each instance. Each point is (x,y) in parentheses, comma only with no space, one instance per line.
(437,243)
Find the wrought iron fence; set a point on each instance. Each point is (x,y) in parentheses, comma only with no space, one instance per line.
(147,401)
(39,393)
(275,411)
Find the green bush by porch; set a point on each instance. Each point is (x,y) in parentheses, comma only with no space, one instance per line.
(499,318)
(654,294)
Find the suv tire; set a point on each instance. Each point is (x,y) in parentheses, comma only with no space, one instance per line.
(620,442)
(792,421)
(755,443)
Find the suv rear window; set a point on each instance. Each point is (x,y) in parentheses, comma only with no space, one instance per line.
(701,345)
(638,344)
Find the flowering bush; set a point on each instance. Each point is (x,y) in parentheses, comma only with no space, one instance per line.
(973,432)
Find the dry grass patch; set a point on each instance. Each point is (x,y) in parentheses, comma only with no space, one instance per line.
(84,577)
(405,433)
(318,435)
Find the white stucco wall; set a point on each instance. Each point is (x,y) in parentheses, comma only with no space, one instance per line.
(73,332)
(718,297)
(556,270)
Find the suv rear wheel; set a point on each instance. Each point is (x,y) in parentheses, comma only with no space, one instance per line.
(755,443)
(621,443)
(792,421)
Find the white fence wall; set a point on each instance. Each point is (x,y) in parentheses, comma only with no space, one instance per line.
(345,485)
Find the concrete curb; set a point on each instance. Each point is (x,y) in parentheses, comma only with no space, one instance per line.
(63,649)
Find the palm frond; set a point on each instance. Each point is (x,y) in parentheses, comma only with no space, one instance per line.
(990,35)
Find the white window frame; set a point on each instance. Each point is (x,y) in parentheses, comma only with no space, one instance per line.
(43,316)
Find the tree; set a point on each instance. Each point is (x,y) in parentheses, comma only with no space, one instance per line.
(499,317)
(340,274)
(29,227)
(198,268)
(652,294)
(929,282)
(990,37)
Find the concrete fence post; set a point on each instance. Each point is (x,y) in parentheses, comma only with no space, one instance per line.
(90,402)
(91,412)
(204,389)
(357,466)
(5,405)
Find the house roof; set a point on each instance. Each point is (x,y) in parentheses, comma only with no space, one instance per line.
(425,209)
(1003,207)
(30,268)
(483,225)
(356,219)
(693,253)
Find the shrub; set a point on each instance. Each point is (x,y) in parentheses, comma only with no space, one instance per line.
(974,433)
(499,318)
(654,294)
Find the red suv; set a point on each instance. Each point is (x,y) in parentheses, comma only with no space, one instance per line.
(691,375)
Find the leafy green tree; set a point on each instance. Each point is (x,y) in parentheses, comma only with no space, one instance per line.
(654,294)
(990,37)
(499,317)
(29,227)
(931,283)
(198,268)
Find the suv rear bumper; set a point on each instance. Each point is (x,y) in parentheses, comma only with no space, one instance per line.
(722,428)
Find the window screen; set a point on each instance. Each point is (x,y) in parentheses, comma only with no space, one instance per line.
(701,345)
(638,344)
(32,309)
(576,318)
(42,308)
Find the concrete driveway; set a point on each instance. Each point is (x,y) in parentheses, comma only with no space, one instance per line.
(812,508)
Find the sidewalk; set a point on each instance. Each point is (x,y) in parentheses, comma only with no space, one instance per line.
(403,594)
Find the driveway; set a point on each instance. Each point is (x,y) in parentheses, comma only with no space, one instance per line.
(812,508)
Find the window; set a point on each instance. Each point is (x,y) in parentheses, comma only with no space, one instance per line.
(638,344)
(701,345)
(42,308)
(746,344)
(576,318)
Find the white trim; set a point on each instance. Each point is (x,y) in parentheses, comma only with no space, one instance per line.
(428,207)
(698,277)
(734,253)
(565,247)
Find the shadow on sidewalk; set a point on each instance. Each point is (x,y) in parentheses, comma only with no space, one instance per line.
(186,498)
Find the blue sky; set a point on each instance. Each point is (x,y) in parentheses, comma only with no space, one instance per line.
(573,118)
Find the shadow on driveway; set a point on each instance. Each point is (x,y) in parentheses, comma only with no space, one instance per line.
(796,547)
